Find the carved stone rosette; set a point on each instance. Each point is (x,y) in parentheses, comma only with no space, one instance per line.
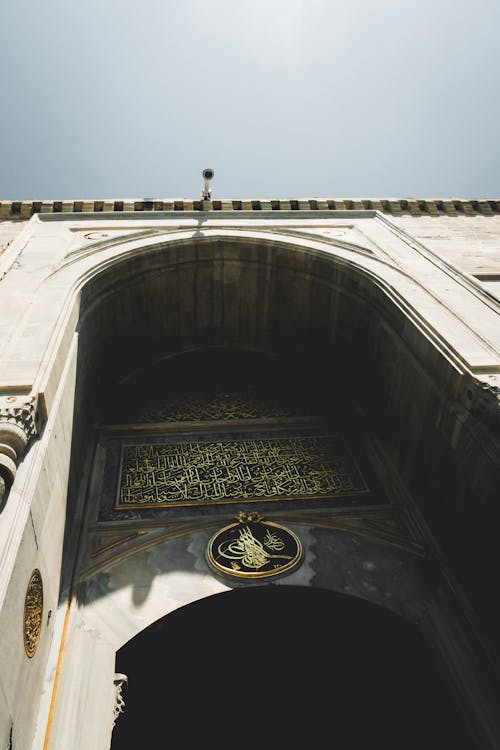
(18,425)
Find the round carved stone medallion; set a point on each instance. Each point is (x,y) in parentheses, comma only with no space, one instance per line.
(33,608)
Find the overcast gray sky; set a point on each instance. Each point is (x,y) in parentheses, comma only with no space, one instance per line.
(282,98)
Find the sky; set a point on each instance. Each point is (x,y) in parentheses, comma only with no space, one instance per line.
(281,98)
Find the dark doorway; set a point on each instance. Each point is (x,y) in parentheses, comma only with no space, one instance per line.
(281,666)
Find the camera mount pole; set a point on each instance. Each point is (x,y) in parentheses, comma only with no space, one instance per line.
(207,175)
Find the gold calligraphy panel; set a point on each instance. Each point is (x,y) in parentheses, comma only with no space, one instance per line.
(203,473)
(33,608)
(224,406)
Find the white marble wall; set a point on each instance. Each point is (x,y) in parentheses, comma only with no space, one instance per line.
(44,268)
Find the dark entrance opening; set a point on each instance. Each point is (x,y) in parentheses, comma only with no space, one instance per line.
(278,665)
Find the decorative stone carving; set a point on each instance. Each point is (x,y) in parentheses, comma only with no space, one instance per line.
(118,681)
(18,425)
(21,411)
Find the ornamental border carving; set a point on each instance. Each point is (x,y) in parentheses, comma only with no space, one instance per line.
(396,206)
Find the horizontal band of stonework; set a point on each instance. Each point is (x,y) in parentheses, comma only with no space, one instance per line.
(395,207)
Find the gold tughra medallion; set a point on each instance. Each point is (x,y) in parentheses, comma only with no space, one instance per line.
(254,548)
(33,608)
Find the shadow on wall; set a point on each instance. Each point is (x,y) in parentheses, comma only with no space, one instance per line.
(260,383)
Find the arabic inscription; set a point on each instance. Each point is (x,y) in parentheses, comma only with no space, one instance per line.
(252,548)
(191,473)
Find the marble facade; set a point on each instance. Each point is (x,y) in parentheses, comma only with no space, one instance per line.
(390,309)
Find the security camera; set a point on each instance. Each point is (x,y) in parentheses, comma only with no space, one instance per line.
(207,176)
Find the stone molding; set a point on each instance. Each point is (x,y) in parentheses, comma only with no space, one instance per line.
(393,206)
(18,425)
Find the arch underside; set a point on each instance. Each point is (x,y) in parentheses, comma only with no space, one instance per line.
(328,330)
(285,664)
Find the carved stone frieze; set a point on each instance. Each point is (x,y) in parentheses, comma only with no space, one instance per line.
(416,207)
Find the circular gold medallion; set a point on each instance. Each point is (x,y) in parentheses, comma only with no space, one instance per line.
(254,548)
(33,608)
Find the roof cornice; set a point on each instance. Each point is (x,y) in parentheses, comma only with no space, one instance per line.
(394,206)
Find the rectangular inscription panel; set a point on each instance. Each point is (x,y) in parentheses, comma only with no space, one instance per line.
(167,474)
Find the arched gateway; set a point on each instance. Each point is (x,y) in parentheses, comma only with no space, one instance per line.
(269,430)
(284,664)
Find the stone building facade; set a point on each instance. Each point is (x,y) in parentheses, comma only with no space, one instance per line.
(323,369)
